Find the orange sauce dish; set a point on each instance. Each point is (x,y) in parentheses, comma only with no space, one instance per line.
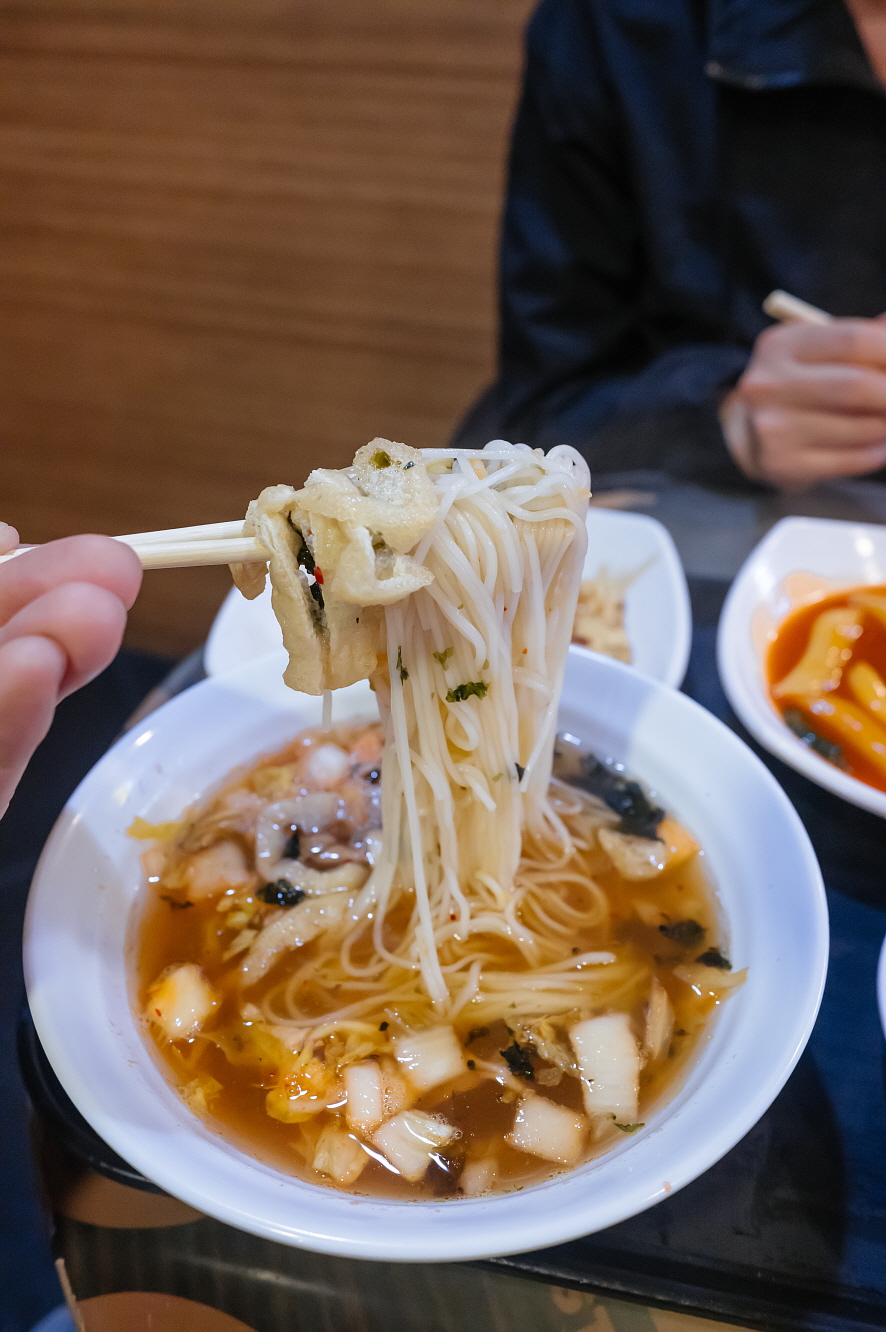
(826,670)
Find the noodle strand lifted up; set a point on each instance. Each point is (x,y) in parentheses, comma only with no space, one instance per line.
(469,664)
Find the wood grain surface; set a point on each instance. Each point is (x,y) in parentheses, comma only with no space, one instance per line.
(237,240)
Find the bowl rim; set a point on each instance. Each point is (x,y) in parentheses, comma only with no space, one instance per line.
(493,1226)
(747,692)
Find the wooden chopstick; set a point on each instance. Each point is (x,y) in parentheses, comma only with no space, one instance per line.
(791,310)
(191,554)
(187,547)
(203,532)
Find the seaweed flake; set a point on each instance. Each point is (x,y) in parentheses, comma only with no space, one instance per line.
(686,933)
(797,723)
(714,958)
(281,893)
(517,1057)
(637,814)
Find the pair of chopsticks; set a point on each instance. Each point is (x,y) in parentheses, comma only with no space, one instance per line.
(224,543)
(187,547)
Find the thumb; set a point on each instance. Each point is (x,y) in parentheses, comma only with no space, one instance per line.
(31,672)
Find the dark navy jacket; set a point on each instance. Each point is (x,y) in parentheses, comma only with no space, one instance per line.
(672,162)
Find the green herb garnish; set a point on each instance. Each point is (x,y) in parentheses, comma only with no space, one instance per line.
(478,688)
(443,656)
(401,669)
(627,1128)
(380,459)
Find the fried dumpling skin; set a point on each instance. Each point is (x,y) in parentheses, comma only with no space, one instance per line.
(339,552)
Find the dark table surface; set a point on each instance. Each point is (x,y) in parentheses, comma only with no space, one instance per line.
(788,1230)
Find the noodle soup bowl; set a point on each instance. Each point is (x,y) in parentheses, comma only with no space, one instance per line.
(80,968)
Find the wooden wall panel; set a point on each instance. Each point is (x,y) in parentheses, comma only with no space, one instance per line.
(238,238)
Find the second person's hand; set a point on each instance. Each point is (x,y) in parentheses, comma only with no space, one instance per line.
(811,404)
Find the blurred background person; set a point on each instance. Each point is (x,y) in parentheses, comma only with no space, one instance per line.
(670,165)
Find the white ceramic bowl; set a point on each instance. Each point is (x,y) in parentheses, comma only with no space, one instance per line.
(797,559)
(80,986)
(657,615)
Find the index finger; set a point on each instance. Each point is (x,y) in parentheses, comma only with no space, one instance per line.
(849,341)
(81,559)
(8,538)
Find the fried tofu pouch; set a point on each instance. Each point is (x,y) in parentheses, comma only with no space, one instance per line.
(339,553)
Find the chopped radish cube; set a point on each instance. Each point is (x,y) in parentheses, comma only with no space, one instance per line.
(548,1130)
(410,1139)
(478,1176)
(609,1062)
(180,1001)
(365,1107)
(328,764)
(659,1022)
(397,1094)
(339,1155)
(633,857)
(430,1057)
(218,867)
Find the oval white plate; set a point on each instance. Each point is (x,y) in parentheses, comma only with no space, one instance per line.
(80,985)
(657,615)
(799,557)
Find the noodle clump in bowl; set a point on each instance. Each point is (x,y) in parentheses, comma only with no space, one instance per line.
(442,956)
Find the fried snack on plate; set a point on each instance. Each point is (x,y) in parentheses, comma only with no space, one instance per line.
(339,551)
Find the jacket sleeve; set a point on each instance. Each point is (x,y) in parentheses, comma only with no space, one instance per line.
(581,358)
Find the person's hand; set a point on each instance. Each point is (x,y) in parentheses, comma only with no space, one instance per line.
(62,614)
(811,404)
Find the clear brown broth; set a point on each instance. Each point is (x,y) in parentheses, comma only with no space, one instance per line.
(170,935)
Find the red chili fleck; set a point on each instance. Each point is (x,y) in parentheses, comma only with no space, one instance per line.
(453,916)
(318,575)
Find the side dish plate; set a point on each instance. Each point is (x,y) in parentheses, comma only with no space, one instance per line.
(78,968)
(799,558)
(657,615)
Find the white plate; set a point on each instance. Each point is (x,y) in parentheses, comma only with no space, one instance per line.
(799,557)
(80,986)
(657,615)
